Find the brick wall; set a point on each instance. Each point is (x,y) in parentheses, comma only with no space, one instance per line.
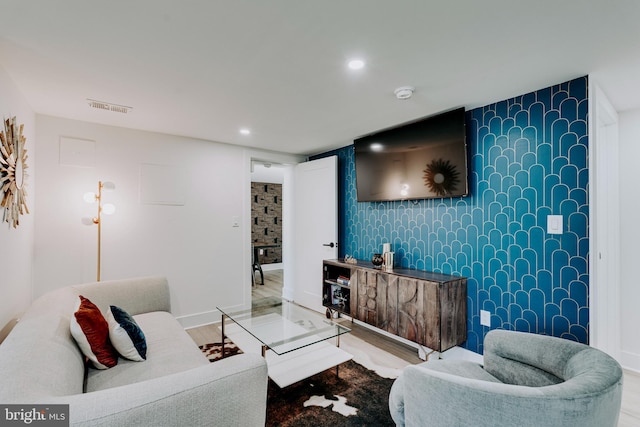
(266,219)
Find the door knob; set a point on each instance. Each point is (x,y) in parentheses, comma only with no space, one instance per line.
(331,245)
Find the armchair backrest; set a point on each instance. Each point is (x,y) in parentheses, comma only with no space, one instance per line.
(538,360)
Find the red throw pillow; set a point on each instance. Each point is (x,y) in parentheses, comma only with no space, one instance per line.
(91,331)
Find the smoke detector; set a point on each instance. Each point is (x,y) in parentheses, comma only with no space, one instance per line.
(404,92)
(102,105)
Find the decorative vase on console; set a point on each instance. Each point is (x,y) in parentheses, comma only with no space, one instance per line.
(377,260)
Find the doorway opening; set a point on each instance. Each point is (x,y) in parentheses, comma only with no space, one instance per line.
(268,221)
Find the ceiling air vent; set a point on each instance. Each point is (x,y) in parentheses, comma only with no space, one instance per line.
(101,105)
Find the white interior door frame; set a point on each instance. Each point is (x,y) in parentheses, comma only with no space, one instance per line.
(315,227)
(604,224)
(288,162)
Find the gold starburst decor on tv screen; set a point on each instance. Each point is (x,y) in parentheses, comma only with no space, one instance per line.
(441,177)
(13,172)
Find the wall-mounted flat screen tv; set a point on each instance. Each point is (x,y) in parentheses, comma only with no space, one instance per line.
(424,159)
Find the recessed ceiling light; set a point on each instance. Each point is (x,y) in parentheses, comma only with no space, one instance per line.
(245,131)
(356,64)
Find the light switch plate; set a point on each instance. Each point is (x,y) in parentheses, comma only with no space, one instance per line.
(555,224)
(485,318)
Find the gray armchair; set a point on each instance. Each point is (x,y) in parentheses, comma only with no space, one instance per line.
(526,380)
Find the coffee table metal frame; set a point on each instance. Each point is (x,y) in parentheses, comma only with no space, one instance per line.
(286,329)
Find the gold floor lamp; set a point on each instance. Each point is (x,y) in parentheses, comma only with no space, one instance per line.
(106,209)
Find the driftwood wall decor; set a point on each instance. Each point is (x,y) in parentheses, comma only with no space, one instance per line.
(13,172)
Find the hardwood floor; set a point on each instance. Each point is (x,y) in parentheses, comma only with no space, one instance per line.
(630,411)
(388,356)
(272,285)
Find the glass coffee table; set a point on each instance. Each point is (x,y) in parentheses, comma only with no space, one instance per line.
(293,340)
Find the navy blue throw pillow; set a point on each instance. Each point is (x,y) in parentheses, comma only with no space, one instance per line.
(125,334)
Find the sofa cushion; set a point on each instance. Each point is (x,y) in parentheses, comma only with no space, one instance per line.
(91,331)
(170,349)
(125,334)
(41,340)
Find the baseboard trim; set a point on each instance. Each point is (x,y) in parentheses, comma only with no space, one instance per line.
(272,267)
(205,317)
(7,329)
(199,319)
(630,361)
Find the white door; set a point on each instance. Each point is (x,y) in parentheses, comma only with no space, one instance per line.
(604,234)
(315,227)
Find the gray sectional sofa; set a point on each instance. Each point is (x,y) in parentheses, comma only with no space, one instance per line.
(40,363)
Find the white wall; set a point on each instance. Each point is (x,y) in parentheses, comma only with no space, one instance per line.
(629,129)
(16,245)
(194,245)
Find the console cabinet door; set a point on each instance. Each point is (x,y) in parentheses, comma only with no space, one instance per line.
(411,323)
(353,285)
(453,307)
(367,293)
(387,303)
(432,315)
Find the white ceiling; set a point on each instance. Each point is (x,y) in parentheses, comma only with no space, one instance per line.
(205,69)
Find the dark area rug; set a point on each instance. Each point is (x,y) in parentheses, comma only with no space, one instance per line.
(359,393)
(363,390)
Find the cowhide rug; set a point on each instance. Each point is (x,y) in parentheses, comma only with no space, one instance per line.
(357,397)
(213,351)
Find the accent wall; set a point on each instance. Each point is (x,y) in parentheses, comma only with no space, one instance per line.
(528,159)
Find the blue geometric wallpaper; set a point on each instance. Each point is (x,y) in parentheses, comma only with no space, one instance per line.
(527,160)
